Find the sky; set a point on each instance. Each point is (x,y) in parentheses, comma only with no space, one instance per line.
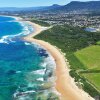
(34,3)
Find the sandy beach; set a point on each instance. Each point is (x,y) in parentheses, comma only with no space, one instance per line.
(65,84)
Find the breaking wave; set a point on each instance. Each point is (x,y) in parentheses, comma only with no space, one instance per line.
(41,82)
(27,29)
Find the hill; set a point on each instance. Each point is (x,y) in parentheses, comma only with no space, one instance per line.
(41,8)
(76,5)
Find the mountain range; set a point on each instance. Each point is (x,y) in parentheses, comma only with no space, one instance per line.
(76,5)
(41,8)
(72,6)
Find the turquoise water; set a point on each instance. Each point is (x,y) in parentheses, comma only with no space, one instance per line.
(26,69)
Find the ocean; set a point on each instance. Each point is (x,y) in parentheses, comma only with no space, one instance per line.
(26,69)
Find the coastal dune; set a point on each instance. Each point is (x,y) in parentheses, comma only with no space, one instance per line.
(65,84)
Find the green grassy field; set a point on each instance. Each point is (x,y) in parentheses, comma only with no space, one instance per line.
(94,78)
(90,57)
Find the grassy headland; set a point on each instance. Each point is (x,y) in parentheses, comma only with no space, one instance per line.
(70,40)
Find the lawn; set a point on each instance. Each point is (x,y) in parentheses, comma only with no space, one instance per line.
(90,57)
(94,78)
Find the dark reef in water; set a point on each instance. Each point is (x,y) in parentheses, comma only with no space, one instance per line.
(43,53)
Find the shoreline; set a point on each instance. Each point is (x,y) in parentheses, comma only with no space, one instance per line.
(65,84)
(16,18)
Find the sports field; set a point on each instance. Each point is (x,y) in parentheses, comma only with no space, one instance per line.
(94,78)
(90,57)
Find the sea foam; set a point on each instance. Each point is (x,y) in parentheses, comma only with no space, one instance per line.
(27,29)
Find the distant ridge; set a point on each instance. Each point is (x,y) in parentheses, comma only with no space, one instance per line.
(43,8)
(72,6)
(80,6)
(77,5)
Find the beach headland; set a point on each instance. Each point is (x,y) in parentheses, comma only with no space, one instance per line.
(65,84)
